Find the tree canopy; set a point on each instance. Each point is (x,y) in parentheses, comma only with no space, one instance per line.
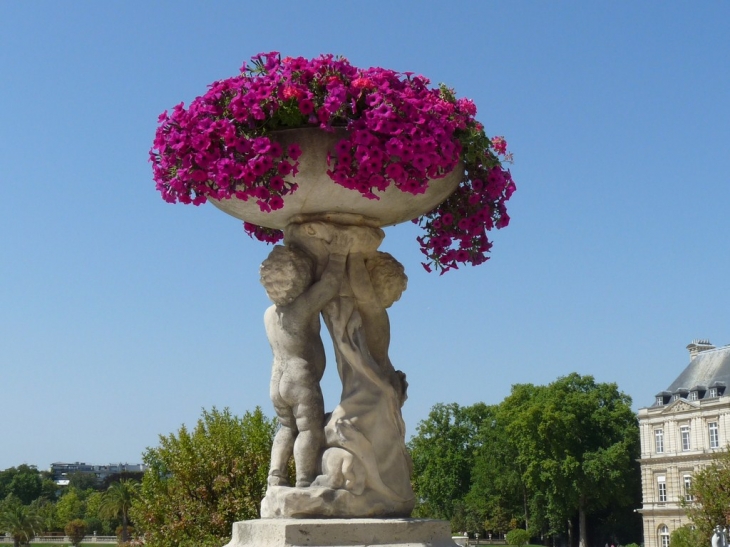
(18,520)
(546,458)
(24,482)
(443,457)
(117,502)
(76,531)
(710,506)
(200,482)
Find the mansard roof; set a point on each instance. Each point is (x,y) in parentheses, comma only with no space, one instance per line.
(708,368)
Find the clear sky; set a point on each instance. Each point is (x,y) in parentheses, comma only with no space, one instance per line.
(121,316)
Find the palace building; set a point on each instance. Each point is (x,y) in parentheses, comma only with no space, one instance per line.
(687,424)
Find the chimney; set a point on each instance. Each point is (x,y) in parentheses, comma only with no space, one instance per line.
(697,346)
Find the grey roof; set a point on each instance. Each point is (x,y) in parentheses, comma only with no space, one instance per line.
(705,369)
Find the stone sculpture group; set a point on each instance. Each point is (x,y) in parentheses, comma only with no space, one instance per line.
(353,461)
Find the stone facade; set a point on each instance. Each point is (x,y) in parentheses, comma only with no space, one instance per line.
(680,433)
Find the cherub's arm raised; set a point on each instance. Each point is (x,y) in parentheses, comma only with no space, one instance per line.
(330,282)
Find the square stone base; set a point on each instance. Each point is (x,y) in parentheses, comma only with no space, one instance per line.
(342,533)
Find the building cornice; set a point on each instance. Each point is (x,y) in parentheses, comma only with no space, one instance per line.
(683,457)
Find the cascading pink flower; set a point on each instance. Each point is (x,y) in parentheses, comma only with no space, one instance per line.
(401,132)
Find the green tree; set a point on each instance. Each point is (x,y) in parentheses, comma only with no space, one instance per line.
(70,506)
(577,442)
(103,526)
(518,537)
(685,536)
(200,482)
(83,481)
(20,521)
(76,531)
(498,497)
(24,482)
(443,456)
(117,502)
(711,504)
(46,511)
(49,489)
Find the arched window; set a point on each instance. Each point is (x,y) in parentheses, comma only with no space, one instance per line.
(663,536)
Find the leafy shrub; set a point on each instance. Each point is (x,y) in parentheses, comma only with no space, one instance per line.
(76,531)
(684,536)
(200,482)
(518,537)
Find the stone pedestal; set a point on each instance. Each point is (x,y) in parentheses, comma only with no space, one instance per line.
(342,533)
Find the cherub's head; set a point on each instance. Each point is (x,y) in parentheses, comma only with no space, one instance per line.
(285,274)
(388,278)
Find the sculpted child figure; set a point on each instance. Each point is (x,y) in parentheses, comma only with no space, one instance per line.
(293,327)
(378,281)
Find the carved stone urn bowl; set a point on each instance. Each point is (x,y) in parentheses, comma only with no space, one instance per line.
(319,197)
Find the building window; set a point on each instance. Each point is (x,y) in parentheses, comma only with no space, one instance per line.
(684,430)
(713,392)
(688,488)
(692,395)
(660,400)
(663,536)
(714,435)
(659,441)
(661,483)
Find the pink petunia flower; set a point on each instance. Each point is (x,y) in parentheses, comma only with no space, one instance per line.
(306,106)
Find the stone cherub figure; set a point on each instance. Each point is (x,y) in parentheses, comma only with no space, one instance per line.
(719,539)
(377,282)
(366,455)
(293,328)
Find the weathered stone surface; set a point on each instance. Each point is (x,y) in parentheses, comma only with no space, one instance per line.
(283,502)
(342,533)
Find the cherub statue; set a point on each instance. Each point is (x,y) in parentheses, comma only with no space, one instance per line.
(378,281)
(293,327)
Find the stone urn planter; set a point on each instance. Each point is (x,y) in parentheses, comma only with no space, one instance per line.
(317,196)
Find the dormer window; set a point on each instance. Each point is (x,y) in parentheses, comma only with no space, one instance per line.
(693,396)
(659,400)
(712,392)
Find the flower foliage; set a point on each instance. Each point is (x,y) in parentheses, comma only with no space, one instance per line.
(401,132)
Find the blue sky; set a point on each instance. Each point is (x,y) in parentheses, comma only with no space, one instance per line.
(122,316)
